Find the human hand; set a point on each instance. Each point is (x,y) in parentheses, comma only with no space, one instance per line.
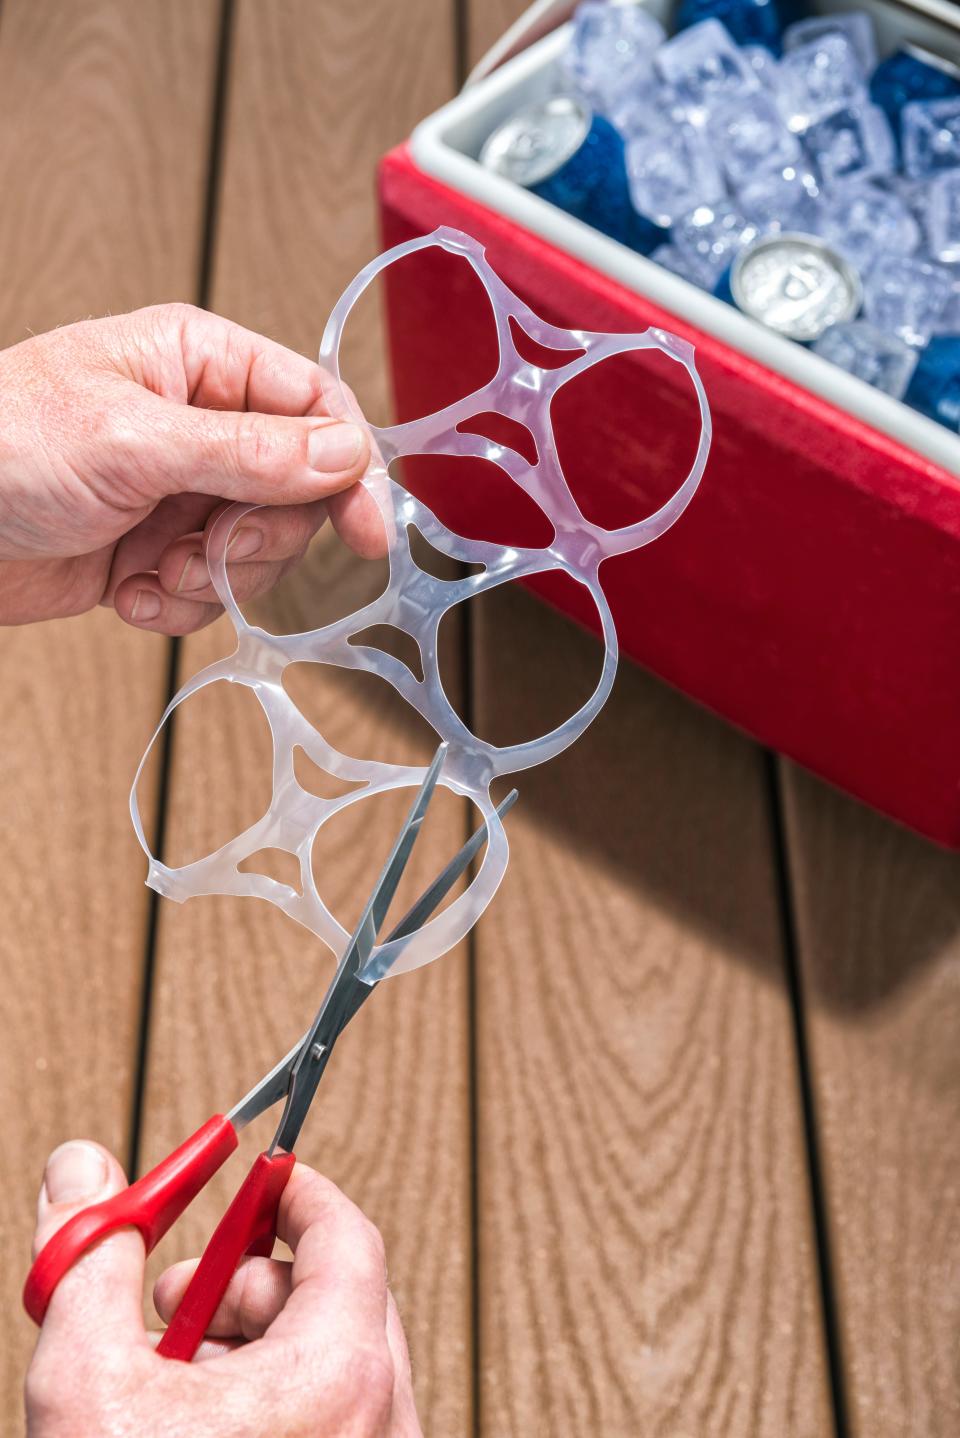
(314,1348)
(120,439)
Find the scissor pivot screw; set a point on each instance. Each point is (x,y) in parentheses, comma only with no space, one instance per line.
(317,1052)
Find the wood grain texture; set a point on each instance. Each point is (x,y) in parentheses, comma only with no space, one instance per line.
(104,112)
(645,1246)
(486,22)
(316,93)
(878,919)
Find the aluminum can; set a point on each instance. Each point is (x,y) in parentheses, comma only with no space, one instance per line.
(796,285)
(565,153)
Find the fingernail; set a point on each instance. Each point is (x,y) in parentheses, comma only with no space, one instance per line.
(146,605)
(194,574)
(75,1170)
(334,446)
(247,540)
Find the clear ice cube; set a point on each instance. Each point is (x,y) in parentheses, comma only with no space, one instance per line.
(943,217)
(930,132)
(863,221)
(787,199)
(856,26)
(671,171)
(703,66)
(670,258)
(816,79)
(906,296)
(712,236)
(762,63)
(862,350)
(749,137)
(948,321)
(853,143)
(611,50)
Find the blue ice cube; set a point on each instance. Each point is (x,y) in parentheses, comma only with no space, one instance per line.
(930,132)
(787,199)
(611,50)
(750,137)
(910,75)
(862,350)
(672,171)
(854,143)
(712,236)
(856,26)
(905,296)
(818,78)
(943,217)
(703,66)
(863,221)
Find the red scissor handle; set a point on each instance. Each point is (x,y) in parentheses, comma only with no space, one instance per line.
(151,1204)
(248,1226)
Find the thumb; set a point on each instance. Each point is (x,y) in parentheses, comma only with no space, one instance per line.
(101,1296)
(256,458)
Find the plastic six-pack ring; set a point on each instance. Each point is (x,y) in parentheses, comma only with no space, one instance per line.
(415,602)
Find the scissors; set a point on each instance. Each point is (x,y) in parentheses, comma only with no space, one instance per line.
(156,1200)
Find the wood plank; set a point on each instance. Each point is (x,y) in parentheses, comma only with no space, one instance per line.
(316,94)
(104,114)
(878,920)
(645,1241)
(486,22)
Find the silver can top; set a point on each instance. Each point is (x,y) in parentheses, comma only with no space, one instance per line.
(796,285)
(538,140)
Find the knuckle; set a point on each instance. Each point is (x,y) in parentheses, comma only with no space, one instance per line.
(370,1377)
(260,446)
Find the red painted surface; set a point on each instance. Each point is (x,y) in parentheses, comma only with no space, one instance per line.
(811,592)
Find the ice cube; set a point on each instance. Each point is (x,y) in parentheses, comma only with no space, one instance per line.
(646,111)
(905,296)
(611,50)
(703,66)
(856,26)
(672,171)
(931,136)
(749,137)
(712,236)
(854,143)
(943,217)
(948,321)
(910,75)
(882,360)
(762,63)
(816,79)
(670,258)
(787,199)
(862,221)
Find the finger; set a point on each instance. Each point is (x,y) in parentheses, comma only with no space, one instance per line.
(99,1299)
(254,1296)
(357,519)
(142,601)
(264,537)
(163,448)
(139,550)
(404,1420)
(190,578)
(339,1273)
(229,367)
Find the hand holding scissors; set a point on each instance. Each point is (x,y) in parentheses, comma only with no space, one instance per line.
(155,1201)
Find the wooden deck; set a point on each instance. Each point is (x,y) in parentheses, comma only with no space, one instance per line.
(671,1147)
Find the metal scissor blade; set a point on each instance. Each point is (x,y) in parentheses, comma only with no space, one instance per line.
(433,897)
(332,1015)
(275,1085)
